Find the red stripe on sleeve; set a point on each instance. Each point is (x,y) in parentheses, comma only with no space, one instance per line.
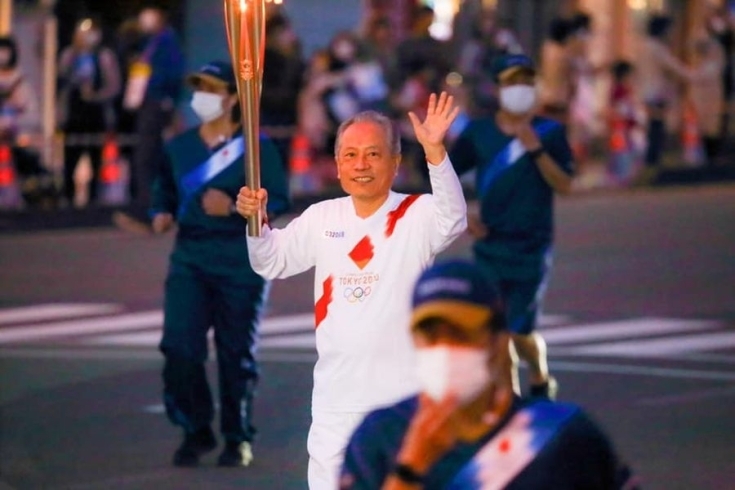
(398,213)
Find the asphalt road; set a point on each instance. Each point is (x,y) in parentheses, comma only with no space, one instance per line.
(639,318)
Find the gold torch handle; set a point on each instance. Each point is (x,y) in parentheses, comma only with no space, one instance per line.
(245,22)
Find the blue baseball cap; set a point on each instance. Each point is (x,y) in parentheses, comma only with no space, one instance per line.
(458,292)
(217,72)
(505,65)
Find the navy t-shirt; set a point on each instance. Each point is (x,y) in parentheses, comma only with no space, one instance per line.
(516,203)
(214,243)
(577,455)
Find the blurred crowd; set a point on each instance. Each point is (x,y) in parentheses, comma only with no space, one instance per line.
(118,97)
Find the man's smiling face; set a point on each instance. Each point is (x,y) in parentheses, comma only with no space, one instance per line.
(365,165)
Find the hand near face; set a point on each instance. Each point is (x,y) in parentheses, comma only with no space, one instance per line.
(216,203)
(527,136)
(430,132)
(433,431)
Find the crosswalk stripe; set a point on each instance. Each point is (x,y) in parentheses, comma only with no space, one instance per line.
(300,341)
(37,313)
(134,339)
(639,327)
(299,327)
(660,347)
(289,323)
(127,321)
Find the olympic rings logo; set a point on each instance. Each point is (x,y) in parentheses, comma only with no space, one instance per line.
(353,295)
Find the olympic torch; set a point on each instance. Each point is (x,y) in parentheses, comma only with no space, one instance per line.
(245,22)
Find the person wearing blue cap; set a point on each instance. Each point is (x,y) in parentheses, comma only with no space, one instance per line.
(466,428)
(210,282)
(521,161)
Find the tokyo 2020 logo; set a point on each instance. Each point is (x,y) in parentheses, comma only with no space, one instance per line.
(358,294)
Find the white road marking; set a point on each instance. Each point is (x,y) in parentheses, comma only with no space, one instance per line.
(689,397)
(54,311)
(660,347)
(638,327)
(639,337)
(652,371)
(286,324)
(297,341)
(128,321)
(299,327)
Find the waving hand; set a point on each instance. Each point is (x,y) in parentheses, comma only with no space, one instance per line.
(440,114)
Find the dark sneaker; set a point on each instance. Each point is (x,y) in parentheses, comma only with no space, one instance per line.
(195,444)
(547,390)
(236,454)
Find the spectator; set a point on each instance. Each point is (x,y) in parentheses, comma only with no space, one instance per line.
(380,43)
(367,248)
(283,79)
(17,113)
(488,41)
(521,161)
(358,81)
(658,71)
(465,428)
(708,94)
(719,24)
(624,123)
(556,74)
(313,119)
(210,282)
(413,96)
(154,85)
(584,118)
(421,49)
(89,82)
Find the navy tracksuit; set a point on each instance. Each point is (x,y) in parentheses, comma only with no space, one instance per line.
(210,284)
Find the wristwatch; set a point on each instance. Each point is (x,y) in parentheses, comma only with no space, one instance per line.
(534,154)
(407,474)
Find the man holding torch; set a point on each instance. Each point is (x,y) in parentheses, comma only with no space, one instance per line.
(367,248)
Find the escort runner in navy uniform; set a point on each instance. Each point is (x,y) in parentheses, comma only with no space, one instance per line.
(467,429)
(210,281)
(521,161)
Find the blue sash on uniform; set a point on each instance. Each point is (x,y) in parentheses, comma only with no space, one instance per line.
(514,447)
(197,177)
(510,155)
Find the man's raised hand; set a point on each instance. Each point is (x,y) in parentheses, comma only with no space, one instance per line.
(440,114)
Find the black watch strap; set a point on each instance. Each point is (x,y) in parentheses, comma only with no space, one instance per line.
(407,474)
(534,154)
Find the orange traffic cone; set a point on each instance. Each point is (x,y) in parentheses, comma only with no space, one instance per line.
(112,188)
(10,193)
(618,140)
(690,137)
(302,179)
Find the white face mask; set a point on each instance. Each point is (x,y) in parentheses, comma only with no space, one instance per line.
(207,106)
(518,99)
(461,371)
